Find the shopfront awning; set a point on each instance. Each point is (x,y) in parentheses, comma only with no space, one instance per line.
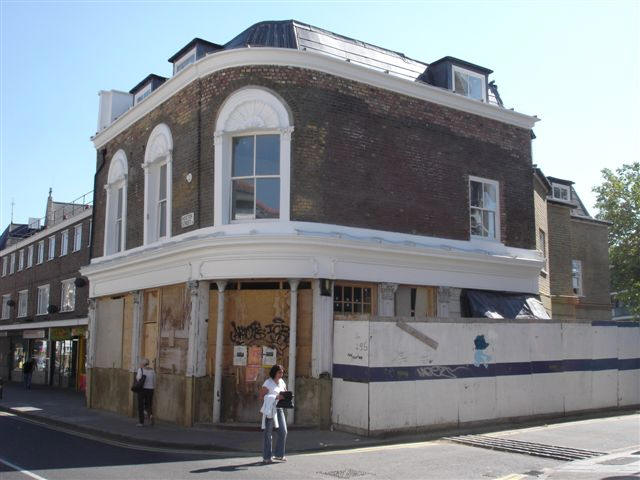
(74,322)
(489,304)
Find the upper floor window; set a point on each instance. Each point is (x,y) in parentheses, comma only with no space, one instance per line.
(469,84)
(40,251)
(157,174)
(6,309)
(12,263)
(64,242)
(77,238)
(30,256)
(576,277)
(43,300)
(484,208)
(68,296)
(116,212)
(142,94)
(255,177)
(561,192)
(252,158)
(23,303)
(351,298)
(20,260)
(5,264)
(52,247)
(185,61)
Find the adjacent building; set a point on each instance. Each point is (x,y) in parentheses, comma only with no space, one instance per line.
(44,298)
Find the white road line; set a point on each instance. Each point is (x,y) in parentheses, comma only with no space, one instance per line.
(22,470)
(397,446)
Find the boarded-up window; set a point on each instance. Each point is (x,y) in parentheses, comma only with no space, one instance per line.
(174,329)
(415,301)
(150,326)
(109,318)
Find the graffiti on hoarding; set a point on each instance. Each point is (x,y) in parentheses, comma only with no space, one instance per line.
(275,334)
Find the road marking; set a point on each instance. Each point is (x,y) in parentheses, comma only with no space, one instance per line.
(375,449)
(512,476)
(22,470)
(7,414)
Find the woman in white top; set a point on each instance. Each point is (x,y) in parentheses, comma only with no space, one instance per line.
(270,394)
(145,397)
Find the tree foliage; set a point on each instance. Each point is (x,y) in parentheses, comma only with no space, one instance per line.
(618,201)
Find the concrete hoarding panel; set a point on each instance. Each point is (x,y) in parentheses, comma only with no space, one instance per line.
(350,401)
(393,405)
(351,343)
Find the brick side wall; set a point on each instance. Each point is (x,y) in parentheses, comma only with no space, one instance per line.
(361,156)
(50,272)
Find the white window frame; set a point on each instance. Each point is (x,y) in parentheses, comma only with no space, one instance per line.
(182,63)
(40,252)
(563,188)
(64,242)
(5,265)
(142,94)
(12,263)
(63,285)
(30,256)
(77,238)
(576,277)
(116,179)
(43,301)
(22,312)
(52,248)
(159,152)
(470,73)
(496,184)
(21,260)
(241,114)
(6,309)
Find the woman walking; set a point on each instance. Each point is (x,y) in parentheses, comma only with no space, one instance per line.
(145,396)
(273,417)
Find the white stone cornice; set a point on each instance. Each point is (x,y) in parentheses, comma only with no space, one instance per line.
(240,57)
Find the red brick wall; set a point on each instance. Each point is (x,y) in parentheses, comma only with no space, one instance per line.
(361,156)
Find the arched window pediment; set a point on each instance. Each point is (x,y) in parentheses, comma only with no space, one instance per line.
(159,146)
(158,158)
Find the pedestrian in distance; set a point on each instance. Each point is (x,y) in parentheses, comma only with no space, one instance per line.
(27,372)
(273,417)
(145,396)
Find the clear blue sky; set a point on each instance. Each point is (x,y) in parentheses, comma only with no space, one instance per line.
(574,64)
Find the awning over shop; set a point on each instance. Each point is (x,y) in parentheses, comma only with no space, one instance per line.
(488,304)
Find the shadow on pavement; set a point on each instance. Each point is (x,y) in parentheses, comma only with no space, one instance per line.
(229,468)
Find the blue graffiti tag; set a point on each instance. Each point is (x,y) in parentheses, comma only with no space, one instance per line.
(481,358)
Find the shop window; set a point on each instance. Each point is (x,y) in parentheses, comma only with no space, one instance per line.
(23,303)
(416,301)
(348,299)
(68,296)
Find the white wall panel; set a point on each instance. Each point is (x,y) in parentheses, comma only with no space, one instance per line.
(437,402)
(604,386)
(514,396)
(350,404)
(477,397)
(392,405)
(547,392)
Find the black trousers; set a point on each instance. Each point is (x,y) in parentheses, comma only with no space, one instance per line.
(145,402)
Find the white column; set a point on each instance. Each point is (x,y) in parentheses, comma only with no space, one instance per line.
(322,341)
(136,329)
(93,332)
(196,354)
(217,381)
(386,299)
(444,296)
(293,331)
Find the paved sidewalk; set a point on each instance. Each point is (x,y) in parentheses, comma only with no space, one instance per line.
(66,409)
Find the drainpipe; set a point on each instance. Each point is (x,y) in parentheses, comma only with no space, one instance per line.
(102,160)
(217,379)
(293,330)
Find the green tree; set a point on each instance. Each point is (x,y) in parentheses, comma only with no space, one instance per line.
(618,202)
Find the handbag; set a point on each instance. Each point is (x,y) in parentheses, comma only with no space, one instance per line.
(138,385)
(287,401)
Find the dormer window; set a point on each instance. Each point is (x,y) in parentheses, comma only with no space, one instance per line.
(469,84)
(185,61)
(561,192)
(142,94)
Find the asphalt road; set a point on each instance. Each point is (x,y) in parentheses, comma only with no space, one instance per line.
(45,453)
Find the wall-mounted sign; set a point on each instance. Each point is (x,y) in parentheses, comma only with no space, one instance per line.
(240,356)
(60,333)
(187,220)
(33,334)
(268,356)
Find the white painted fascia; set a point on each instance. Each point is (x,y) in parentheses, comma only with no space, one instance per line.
(74,322)
(241,57)
(47,232)
(307,250)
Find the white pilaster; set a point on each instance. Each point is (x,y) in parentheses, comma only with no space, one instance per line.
(136,329)
(196,356)
(322,330)
(293,331)
(217,381)
(92,329)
